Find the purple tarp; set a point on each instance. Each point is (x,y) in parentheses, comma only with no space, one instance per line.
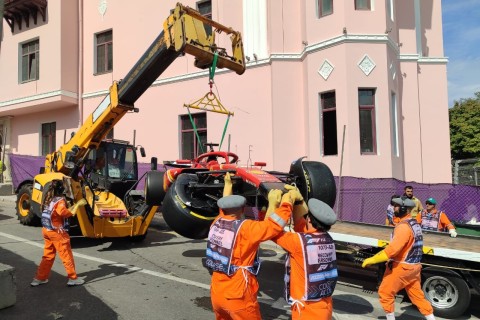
(366,200)
(359,200)
(26,167)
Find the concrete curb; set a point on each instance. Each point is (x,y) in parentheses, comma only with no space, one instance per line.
(6,189)
(8,286)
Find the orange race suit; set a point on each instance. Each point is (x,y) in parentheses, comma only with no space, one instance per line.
(234,290)
(56,238)
(434,221)
(403,269)
(302,307)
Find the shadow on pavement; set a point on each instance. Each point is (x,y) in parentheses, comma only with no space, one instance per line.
(343,304)
(50,301)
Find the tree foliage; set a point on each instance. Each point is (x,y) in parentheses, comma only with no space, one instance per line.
(465,128)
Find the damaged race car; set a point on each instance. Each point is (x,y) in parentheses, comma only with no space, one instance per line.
(192,188)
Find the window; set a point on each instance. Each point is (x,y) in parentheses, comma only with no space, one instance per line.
(104,52)
(366,103)
(394,126)
(48,138)
(325,7)
(329,123)
(205,9)
(362,5)
(190,146)
(30,68)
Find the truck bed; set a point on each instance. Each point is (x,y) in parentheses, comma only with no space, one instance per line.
(441,244)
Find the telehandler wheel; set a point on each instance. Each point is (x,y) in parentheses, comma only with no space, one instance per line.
(315,180)
(154,192)
(182,219)
(25,216)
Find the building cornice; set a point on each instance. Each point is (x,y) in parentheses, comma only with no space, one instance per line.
(346,38)
(300,56)
(40,96)
(433,60)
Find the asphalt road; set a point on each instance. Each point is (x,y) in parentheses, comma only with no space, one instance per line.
(160,278)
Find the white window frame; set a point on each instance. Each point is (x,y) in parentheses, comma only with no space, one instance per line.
(20,61)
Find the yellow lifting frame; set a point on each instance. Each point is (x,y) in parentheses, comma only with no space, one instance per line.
(209,102)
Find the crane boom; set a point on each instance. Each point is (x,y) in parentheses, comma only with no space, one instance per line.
(183,32)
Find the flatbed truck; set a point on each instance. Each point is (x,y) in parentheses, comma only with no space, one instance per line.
(450,266)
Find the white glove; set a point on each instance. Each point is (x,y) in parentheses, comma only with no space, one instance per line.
(453,233)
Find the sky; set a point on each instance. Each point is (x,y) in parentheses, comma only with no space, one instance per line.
(461,43)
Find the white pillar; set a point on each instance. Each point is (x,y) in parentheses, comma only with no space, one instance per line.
(255,28)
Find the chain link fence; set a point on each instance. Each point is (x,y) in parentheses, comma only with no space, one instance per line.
(466,171)
(358,200)
(366,200)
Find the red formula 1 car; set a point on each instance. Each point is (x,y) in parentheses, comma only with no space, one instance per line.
(193,188)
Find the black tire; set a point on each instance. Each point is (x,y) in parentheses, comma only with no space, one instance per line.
(154,193)
(24,214)
(182,219)
(195,198)
(315,180)
(448,293)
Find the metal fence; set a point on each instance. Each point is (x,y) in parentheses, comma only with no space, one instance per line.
(466,171)
(24,168)
(366,200)
(359,200)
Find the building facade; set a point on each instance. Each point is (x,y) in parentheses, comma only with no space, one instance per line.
(360,85)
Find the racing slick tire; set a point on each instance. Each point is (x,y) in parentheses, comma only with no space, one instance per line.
(195,198)
(24,214)
(182,219)
(315,180)
(154,192)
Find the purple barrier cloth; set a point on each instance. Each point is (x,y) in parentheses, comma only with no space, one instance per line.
(359,200)
(26,167)
(366,200)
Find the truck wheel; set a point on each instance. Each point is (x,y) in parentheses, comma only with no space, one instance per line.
(25,216)
(449,294)
(154,192)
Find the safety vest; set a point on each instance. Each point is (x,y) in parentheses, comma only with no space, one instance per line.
(320,265)
(221,241)
(415,253)
(431,221)
(47,216)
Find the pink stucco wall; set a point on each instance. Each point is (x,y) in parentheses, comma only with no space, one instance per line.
(276,102)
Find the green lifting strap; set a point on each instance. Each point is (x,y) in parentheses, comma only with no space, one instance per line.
(211,75)
(224,131)
(195,130)
(214,66)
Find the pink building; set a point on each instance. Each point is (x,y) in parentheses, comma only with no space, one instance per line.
(357,84)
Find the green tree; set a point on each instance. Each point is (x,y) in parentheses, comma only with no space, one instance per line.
(465,128)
